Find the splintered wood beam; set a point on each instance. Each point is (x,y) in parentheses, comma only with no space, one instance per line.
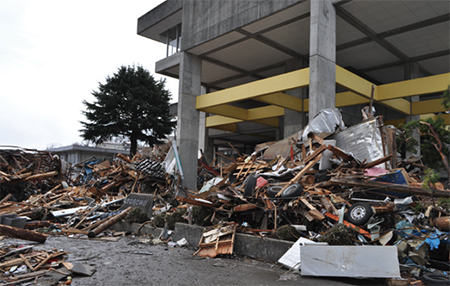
(313,211)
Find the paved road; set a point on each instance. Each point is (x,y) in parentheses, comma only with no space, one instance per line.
(129,262)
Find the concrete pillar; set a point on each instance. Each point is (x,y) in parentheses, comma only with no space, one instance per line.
(322,56)
(188,117)
(294,121)
(411,72)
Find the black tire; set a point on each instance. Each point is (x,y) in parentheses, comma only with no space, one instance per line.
(436,279)
(359,213)
(272,191)
(250,186)
(292,191)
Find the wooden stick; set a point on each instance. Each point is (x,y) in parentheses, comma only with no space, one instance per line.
(26,261)
(234,149)
(5,198)
(47,258)
(40,176)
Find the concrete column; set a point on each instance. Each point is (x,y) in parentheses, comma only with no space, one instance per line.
(188,117)
(411,72)
(322,56)
(294,121)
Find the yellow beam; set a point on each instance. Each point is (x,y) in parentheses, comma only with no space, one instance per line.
(399,104)
(446,117)
(412,87)
(427,106)
(246,114)
(264,112)
(228,111)
(349,98)
(283,100)
(352,82)
(218,120)
(279,83)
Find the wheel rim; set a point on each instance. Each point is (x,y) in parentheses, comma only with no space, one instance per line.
(358,212)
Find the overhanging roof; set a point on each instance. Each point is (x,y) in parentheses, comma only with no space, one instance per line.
(374,40)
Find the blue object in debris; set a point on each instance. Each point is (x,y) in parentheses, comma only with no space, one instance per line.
(397,177)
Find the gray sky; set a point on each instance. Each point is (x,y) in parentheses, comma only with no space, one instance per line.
(54,53)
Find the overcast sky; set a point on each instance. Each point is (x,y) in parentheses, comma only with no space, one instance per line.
(54,53)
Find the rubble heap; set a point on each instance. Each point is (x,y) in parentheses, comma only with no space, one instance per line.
(325,184)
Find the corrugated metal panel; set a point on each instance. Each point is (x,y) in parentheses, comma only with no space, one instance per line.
(363,141)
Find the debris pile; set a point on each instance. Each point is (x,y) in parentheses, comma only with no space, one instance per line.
(21,264)
(325,185)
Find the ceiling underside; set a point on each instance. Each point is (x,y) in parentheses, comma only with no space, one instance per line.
(374,40)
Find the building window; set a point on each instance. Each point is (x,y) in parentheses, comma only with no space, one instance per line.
(173,39)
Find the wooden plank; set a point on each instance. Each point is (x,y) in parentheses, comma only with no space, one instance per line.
(306,215)
(244,207)
(242,169)
(313,211)
(377,162)
(328,205)
(315,138)
(195,202)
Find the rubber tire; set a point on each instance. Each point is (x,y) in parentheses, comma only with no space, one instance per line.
(359,213)
(293,191)
(250,186)
(436,279)
(272,191)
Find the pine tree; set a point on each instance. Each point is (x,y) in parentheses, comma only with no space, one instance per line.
(131,104)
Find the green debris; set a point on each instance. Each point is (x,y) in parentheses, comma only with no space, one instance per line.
(136,215)
(287,232)
(174,217)
(339,234)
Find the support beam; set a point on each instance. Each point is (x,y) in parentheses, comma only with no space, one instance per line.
(446,117)
(353,82)
(283,100)
(246,114)
(427,106)
(250,90)
(418,86)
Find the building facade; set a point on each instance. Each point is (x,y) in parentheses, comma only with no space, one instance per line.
(256,71)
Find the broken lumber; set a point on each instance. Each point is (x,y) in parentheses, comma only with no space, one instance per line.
(22,233)
(112,220)
(388,187)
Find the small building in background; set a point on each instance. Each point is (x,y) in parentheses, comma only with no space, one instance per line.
(78,153)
